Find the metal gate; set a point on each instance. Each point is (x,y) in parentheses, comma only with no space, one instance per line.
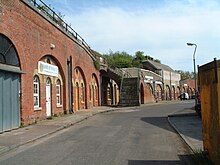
(9,101)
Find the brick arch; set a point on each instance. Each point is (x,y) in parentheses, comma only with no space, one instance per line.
(177,92)
(94,90)
(8,48)
(159,92)
(150,88)
(79,78)
(167,93)
(61,76)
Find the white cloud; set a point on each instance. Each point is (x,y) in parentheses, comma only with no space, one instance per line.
(161,33)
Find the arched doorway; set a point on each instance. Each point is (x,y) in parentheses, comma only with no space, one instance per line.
(9,85)
(51,78)
(105,93)
(167,93)
(177,92)
(48,98)
(94,98)
(80,89)
(159,92)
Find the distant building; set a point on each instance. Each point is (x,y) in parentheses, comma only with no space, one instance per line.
(157,81)
(170,78)
(188,86)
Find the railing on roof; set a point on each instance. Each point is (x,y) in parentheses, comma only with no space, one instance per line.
(58,20)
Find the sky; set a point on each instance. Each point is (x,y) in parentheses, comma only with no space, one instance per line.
(159,28)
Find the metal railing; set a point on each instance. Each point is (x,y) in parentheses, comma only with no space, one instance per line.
(44,8)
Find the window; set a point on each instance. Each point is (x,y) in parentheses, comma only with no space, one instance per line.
(82,92)
(58,91)
(8,53)
(48,61)
(36,92)
(108,93)
(96,93)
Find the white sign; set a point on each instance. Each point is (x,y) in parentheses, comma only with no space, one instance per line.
(148,81)
(149,77)
(158,82)
(47,69)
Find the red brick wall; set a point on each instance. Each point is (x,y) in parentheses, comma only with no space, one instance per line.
(32,36)
(148,94)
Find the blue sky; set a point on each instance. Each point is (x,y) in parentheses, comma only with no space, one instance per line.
(160,28)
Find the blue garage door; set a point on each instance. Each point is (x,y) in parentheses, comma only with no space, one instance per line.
(9,101)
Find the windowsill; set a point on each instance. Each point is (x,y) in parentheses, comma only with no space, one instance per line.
(59,106)
(37,108)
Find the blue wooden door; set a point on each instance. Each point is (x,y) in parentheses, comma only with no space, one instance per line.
(9,101)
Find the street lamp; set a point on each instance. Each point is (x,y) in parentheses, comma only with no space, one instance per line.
(194,62)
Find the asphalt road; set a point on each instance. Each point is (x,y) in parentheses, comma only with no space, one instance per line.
(133,136)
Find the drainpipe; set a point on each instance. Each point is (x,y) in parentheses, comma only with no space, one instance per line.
(69,63)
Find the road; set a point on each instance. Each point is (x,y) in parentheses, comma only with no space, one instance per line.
(132,136)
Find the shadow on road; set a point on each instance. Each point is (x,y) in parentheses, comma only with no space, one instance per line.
(160,122)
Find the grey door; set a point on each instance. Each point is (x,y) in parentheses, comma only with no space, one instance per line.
(9,101)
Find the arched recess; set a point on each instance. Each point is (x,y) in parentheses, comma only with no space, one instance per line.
(173,93)
(9,85)
(150,89)
(167,93)
(177,92)
(105,80)
(159,92)
(183,89)
(80,99)
(142,93)
(55,73)
(94,94)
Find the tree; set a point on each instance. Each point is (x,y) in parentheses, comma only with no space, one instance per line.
(119,59)
(185,74)
(137,60)
(124,60)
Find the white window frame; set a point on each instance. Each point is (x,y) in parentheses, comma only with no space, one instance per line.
(58,92)
(37,91)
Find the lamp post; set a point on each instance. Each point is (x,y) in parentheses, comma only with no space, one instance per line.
(194,63)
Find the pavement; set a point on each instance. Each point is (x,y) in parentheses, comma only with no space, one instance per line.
(188,125)
(186,122)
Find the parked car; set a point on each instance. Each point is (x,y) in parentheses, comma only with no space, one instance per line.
(184,96)
(192,96)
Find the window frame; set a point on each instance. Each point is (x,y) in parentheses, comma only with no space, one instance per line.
(58,92)
(36,91)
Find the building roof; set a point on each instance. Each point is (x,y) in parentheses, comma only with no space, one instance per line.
(159,66)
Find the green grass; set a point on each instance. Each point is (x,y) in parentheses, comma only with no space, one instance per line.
(201,158)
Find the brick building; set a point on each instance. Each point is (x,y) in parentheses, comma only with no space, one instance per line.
(46,68)
(188,86)
(170,79)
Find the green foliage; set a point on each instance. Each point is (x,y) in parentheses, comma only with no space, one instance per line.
(125,60)
(185,74)
(158,61)
(140,57)
(200,158)
(96,64)
(119,59)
